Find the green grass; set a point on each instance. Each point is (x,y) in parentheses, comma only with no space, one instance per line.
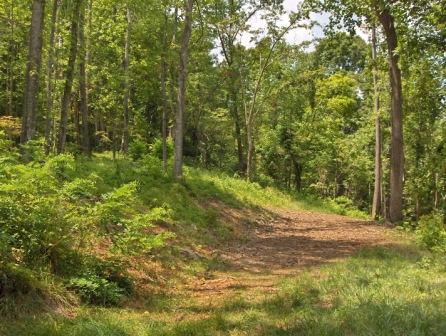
(202,185)
(382,291)
(379,292)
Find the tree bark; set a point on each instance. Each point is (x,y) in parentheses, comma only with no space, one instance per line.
(83,84)
(69,78)
(9,69)
(250,142)
(172,69)
(376,207)
(29,115)
(49,80)
(125,135)
(397,149)
(182,77)
(236,117)
(164,92)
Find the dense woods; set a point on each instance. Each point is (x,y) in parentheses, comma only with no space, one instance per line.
(353,114)
(301,116)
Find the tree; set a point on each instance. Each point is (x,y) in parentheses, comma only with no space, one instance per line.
(69,77)
(182,77)
(251,107)
(164,90)
(397,148)
(125,135)
(350,13)
(29,114)
(50,77)
(83,83)
(376,207)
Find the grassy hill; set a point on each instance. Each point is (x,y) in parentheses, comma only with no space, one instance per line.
(103,247)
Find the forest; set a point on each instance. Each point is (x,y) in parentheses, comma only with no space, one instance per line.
(222,167)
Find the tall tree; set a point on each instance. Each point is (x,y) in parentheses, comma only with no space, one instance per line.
(69,76)
(164,89)
(251,107)
(229,27)
(351,13)
(9,69)
(397,149)
(83,83)
(50,78)
(376,207)
(181,101)
(29,115)
(125,135)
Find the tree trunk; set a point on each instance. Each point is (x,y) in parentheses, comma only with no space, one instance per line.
(397,149)
(297,175)
(250,151)
(181,105)
(76,118)
(49,80)
(9,69)
(236,116)
(125,135)
(83,83)
(69,79)
(376,207)
(29,115)
(164,92)
(172,68)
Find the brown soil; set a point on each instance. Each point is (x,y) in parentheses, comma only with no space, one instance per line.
(281,244)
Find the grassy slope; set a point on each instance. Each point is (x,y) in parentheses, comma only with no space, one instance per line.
(379,292)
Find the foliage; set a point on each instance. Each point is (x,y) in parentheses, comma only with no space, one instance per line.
(380,292)
(156,149)
(51,212)
(431,232)
(96,290)
(137,149)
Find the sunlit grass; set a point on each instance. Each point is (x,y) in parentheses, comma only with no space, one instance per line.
(379,292)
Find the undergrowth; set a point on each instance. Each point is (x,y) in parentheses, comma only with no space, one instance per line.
(379,292)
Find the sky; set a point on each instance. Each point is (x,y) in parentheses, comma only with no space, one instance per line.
(294,36)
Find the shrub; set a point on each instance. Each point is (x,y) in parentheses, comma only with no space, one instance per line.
(97,291)
(34,150)
(431,232)
(156,149)
(16,280)
(80,188)
(135,237)
(116,205)
(138,149)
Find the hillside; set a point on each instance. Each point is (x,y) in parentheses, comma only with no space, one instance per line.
(210,255)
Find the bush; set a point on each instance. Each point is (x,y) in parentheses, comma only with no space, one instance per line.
(431,232)
(138,149)
(342,205)
(34,150)
(97,291)
(135,238)
(156,149)
(116,205)
(16,280)
(80,188)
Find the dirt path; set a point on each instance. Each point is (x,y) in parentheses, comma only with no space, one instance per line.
(282,245)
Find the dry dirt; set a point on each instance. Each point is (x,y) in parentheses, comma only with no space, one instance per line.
(282,244)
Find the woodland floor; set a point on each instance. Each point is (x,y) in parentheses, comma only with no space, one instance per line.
(289,273)
(281,244)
